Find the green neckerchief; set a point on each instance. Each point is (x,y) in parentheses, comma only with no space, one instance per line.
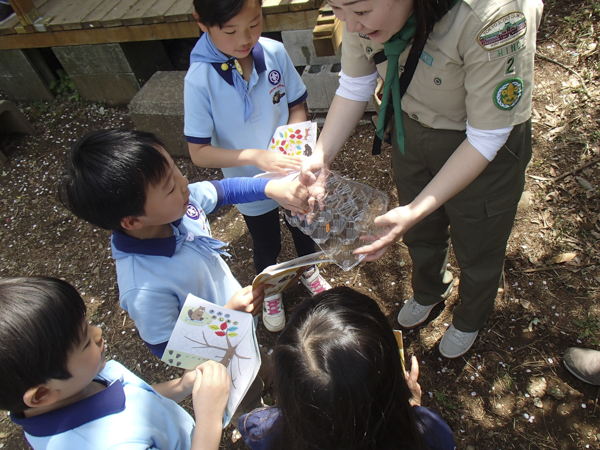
(393,48)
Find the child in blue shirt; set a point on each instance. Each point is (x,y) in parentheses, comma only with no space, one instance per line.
(125,181)
(239,88)
(339,383)
(57,385)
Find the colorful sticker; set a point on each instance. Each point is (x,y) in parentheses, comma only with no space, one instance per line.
(507,50)
(508,93)
(503,31)
(289,141)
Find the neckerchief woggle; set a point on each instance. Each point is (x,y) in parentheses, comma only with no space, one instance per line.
(393,48)
(205,51)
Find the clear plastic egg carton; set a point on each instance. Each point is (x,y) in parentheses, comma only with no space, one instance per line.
(344,211)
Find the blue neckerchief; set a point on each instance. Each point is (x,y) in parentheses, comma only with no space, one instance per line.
(205,51)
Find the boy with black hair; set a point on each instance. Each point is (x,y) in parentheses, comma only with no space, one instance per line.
(239,88)
(65,395)
(126,181)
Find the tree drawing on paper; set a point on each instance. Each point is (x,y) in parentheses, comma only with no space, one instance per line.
(226,329)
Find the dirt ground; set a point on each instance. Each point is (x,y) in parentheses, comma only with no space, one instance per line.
(510,391)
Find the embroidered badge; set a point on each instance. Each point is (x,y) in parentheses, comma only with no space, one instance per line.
(508,93)
(192,212)
(277,96)
(426,58)
(507,50)
(503,31)
(274,77)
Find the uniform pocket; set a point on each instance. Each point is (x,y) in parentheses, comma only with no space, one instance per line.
(504,203)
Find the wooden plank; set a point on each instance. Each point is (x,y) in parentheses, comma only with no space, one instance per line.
(93,19)
(71,18)
(328,45)
(300,20)
(134,15)
(275,6)
(8,25)
(156,14)
(51,10)
(180,12)
(25,11)
(113,17)
(157,31)
(302,5)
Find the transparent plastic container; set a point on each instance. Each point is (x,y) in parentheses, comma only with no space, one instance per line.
(343,211)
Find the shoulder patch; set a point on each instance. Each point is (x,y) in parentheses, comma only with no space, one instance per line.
(503,31)
(508,93)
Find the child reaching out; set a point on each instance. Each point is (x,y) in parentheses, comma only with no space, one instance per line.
(240,87)
(338,383)
(58,386)
(125,181)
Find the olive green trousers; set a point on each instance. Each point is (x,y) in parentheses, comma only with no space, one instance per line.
(478,220)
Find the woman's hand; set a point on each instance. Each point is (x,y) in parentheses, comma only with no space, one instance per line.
(396,222)
(291,195)
(413,385)
(275,162)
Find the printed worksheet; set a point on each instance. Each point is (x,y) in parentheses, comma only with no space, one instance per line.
(206,331)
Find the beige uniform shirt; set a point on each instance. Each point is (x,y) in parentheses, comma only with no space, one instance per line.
(476,64)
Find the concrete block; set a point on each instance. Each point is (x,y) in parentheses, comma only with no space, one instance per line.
(158,108)
(23,75)
(321,82)
(12,119)
(113,73)
(299,45)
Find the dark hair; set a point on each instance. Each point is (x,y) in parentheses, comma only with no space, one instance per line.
(106,174)
(41,322)
(338,378)
(218,12)
(428,13)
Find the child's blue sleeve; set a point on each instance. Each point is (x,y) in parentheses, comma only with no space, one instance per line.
(231,191)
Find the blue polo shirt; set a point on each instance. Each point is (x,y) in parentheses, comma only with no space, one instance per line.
(128,414)
(214,110)
(156,275)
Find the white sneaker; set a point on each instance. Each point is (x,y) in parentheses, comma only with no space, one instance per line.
(314,282)
(456,343)
(273,314)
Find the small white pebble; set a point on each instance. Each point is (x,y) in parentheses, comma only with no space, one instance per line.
(550,360)
(526,415)
(473,394)
(583,405)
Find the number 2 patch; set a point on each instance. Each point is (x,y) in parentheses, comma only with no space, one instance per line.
(508,93)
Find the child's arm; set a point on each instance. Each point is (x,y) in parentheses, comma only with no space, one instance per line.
(291,195)
(177,389)
(297,113)
(247,300)
(205,155)
(210,395)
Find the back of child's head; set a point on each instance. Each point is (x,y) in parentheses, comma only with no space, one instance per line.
(107,172)
(41,322)
(215,13)
(338,377)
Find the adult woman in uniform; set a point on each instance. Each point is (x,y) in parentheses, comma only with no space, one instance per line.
(460,146)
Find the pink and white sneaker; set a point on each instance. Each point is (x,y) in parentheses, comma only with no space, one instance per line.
(273,313)
(313,281)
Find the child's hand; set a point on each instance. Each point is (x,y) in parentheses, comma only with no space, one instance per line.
(411,380)
(247,300)
(276,162)
(292,195)
(211,389)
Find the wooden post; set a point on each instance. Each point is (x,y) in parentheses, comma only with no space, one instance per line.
(26,11)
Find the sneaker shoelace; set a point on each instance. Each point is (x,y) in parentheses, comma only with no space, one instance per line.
(273,307)
(460,337)
(317,286)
